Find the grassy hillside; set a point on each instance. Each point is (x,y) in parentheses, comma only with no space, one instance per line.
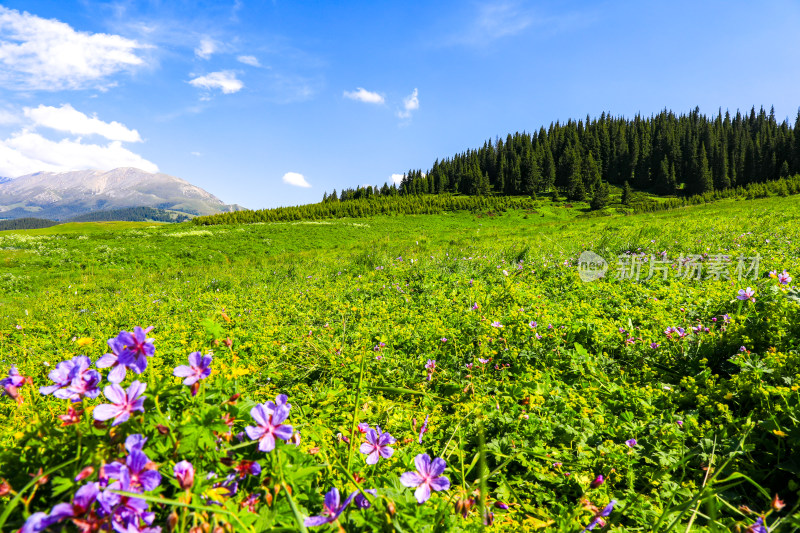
(539,378)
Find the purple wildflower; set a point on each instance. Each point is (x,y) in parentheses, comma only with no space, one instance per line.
(532,323)
(423,429)
(654,345)
(758,526)
(35,523)
(83,500)
(475,306)
(124,402)
(184,473)
(281,400)
(270,424)
(61,375)
(784,278)
(333,507)
(631,443)
(124,511)
(84,385)
(377,445)
(361,501)
(74,380)
(598,518)
(246,467)
(199,368)
(597,481)
(428,476)
(136,470)
(114,360)
(431,367)
(497,324)
(746,294)
(742,349)
(139,347)
(14,379)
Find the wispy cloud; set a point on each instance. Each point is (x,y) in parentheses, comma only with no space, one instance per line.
(363,95)
(410,103)
(291,88)
(48,55)
(502,19)
(206,48)
(224,80)
(249,60)
(67,118)
(397,178)
(494,20)
(295,179)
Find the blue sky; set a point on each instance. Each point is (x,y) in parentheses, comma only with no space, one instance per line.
(269,103)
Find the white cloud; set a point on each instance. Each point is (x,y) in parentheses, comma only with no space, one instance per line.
(363,95)
(66,118)
(206,47)
(410,103)
(295,179)
(224,80)
(49,55)
(397,178)
(196,154)
(26,152)
(249,60)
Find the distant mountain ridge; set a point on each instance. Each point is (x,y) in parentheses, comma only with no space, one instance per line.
(63,195)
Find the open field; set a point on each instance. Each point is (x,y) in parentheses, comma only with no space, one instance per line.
(539,378)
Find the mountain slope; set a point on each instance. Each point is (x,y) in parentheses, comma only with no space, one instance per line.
(68,194)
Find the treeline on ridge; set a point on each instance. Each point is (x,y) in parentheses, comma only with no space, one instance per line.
(26,223)
(375,205)
(131,214)
(664,154)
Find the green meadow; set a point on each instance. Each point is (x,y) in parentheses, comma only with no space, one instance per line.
(549,396)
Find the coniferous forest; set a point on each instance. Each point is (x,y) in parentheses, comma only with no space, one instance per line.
(665,154)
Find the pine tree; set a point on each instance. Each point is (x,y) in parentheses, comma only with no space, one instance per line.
(785,169)
(600,198)
(576,188)
(663,185)
(591,173)
(627,193)
(705,180)
(796,134)
(548,170)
